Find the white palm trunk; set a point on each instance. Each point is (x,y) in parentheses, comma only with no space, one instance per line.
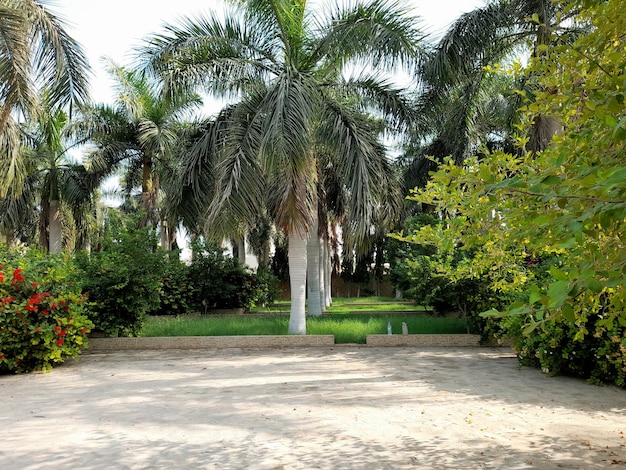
(328,273)
(297,280)
(313,271)
(165,236)
(322,270)
(56,233)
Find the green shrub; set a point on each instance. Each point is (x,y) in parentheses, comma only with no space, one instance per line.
(42,317)
(447,283)
(177,289)
(558,347)
(220,281)
(123,278)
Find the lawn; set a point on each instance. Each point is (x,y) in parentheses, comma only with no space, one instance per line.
(354,305)
(352,328)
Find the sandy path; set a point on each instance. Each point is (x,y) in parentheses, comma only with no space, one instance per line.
(339,408)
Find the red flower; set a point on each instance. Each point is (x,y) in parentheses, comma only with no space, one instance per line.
(1,276)
(1,356)
(62,333)
(17,275)
(8,299)
(60,342)
(31,308)
(34,285)
(57,328)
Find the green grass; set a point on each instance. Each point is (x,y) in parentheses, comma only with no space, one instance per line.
(347,329)
(350,305)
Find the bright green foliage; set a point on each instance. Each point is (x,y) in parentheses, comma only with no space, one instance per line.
(122,279)
(442,280)
(41,314)
(568,200)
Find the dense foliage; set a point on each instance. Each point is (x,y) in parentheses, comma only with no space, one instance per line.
(122,278)
(568,200)
(42,318)
(222,282)
(431,278)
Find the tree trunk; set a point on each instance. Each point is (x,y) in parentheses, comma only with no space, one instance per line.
(328,277)
(541,132)
(44,225)
(241,248)
(297,280)
(166,236)
(313,271)
(56,232)
(322,271)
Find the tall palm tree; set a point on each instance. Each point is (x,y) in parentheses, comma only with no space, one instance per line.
(35,51)
(284,65)
(51,180)
(142,131)
(457,83)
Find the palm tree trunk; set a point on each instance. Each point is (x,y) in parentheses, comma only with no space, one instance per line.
(328,278)
(297,280)
(56,232)
(313,270)
(322,270)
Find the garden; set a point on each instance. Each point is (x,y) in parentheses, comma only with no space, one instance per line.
(503,212)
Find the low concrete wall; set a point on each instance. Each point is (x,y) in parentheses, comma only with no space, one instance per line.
(275,341)
(422,340)
(208,342)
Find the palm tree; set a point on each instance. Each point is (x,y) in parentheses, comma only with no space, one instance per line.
(35,51)
(459,89)
(142,131)
(51,181)
(284,65)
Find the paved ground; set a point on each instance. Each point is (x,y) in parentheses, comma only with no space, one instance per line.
(328,408)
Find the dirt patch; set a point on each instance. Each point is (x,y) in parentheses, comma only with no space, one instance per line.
(330,408)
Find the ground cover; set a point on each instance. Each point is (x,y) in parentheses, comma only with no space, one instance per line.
(347,329)
(354,304)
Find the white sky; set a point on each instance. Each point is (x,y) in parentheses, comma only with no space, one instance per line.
(113,27)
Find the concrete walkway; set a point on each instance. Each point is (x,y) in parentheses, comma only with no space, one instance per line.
(328,408)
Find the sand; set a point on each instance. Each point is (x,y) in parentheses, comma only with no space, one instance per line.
(329,408)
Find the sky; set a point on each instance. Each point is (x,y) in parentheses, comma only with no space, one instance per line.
(112,28)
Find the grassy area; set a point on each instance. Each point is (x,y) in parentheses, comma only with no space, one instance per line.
(347,329)
(356,304)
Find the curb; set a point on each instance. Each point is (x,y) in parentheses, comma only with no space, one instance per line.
(276,341)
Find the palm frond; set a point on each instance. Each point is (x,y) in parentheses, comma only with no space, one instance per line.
(380,32)
(59,60)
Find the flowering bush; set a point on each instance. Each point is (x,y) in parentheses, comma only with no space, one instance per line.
(41,320)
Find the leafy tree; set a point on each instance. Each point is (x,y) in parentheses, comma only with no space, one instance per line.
(284,62)
(569,199)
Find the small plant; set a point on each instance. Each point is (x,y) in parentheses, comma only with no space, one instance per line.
(42,319)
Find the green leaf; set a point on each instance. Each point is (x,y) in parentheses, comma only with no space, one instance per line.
(558,274)
(593,285)
(551,180)
(535,295)
(568,313)
(559,288)
(529,329)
